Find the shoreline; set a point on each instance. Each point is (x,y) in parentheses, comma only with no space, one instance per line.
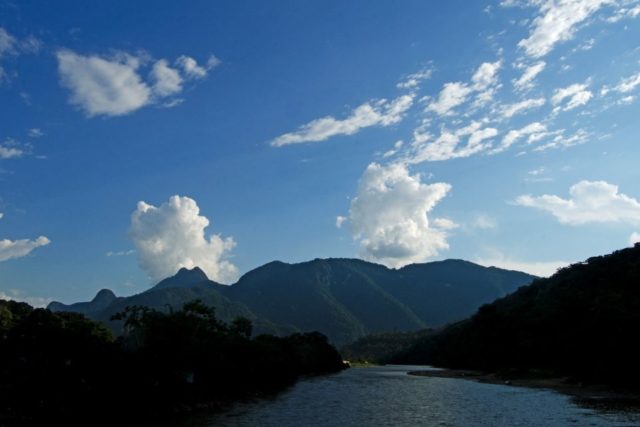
(588,394)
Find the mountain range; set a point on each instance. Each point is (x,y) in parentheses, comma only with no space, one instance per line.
(344,299)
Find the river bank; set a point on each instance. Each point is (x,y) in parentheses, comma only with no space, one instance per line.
(596,395)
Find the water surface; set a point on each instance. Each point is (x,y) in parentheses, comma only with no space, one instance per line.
(387,396)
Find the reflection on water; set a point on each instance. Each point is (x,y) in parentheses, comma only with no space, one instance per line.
(386,396)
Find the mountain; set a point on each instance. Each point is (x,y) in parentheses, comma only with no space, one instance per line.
(101,301)
(582,322)
(343,298)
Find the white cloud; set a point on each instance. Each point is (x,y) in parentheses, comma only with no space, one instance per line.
(589,202)
(18,295)
(562,141)
(483,222)
(172,236)
(511,110)
(556,23)
(445,224)
(100,86)
(340,220)
(534,130)
(120,253)
(193,70)
(451,95)
(537,268)
(628,84)
(486,75)
(12,149)
(577,95)
(9,45)
(445,147)
(35,133)
(389,216)
(526,80)
(372,113)
(634,238)
(114,86)
(10,249)
(412,81)
(167,80)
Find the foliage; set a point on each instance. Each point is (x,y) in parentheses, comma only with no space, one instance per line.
(380,348)
(62,366)
(582,322)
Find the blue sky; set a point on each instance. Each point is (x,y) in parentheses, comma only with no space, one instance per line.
(136,138)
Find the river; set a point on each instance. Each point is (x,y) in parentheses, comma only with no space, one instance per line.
(387,396)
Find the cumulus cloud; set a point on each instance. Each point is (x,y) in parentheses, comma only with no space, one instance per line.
(373,113)
(340,220)
(11,249)
(526,80)
(576,95)
(110,87)
(557,22)
(511,110)
(172,236)
(588,202)
(389,216)
(446,146)
(114,86)
(634,238)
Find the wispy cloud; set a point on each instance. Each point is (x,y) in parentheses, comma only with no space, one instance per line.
(556,22)
(11,249)
(380,112)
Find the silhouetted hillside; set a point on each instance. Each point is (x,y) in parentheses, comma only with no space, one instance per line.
(343,298)
(581,322)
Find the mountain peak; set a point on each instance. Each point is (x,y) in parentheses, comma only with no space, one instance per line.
(184,278)
(104,296)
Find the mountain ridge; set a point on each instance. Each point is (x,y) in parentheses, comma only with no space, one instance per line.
(344,298)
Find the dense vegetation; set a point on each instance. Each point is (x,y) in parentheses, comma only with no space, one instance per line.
(62,366)
(345,299)
(381,348)
(583,322)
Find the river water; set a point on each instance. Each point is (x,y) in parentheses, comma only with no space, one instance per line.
(387,396)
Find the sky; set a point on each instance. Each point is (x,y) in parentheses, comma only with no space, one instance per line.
(140,137)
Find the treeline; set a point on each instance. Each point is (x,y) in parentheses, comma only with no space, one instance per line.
(64,367)
(381,348)
(582,322)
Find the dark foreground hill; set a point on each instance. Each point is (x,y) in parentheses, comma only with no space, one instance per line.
(583,322)
(344,299)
